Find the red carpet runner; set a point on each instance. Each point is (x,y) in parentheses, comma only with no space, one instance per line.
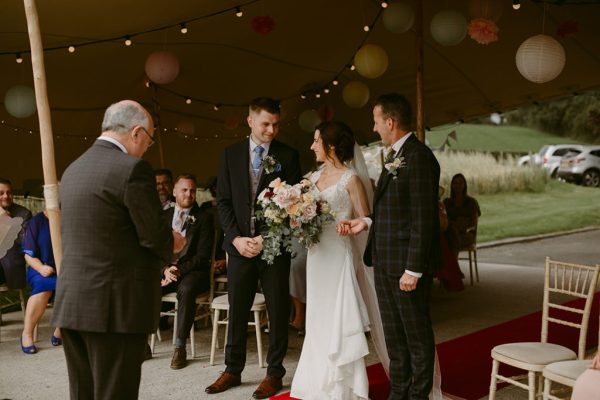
(466,363)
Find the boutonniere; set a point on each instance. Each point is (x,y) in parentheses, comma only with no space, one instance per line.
(396,164)
(189,221)
(270,164)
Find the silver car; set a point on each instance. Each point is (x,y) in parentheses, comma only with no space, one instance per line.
(549,156)
(583,167)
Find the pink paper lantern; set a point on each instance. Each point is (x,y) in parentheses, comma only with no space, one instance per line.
(162,67)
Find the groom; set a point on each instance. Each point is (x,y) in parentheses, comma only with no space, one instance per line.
(242,176)
(404,247)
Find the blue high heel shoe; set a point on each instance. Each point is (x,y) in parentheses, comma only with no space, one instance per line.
(29,349)
(56,341)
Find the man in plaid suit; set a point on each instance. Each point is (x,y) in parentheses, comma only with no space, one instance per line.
(404,247)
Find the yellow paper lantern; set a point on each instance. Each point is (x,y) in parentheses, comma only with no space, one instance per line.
(398,17)
(371,61)
(540,58)
(355,94)
(448,27)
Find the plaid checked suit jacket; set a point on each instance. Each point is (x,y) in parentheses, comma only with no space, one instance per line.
(115,243)
(405,233)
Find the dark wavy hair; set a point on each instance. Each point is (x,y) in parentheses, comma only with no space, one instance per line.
(340,136)
(452,192)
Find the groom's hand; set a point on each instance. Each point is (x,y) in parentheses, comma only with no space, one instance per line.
(247,247)
(408,282)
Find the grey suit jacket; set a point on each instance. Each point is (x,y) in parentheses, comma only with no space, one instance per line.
(115,242)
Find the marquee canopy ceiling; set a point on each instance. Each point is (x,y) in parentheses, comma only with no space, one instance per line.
(225,63)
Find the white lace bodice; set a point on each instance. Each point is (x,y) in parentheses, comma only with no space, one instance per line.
(336,195)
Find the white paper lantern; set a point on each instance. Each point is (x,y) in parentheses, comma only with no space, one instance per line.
(371,61)
(448,27)
(540,58)
(355,94)
(398,17)
(162,67)
(308,120)
(20,101)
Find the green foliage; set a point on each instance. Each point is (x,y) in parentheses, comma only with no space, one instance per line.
(576,117)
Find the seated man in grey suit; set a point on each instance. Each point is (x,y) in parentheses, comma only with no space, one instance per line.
(189,274)
(12,265)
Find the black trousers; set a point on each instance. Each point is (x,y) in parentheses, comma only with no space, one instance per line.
(408,335)
(243,275)
(188,287)
(104,366)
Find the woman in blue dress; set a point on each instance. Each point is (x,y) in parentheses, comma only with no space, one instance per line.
(41,276)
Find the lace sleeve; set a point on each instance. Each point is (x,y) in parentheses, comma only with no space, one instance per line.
(358,197)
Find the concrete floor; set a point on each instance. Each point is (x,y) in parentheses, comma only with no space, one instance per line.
(510,286)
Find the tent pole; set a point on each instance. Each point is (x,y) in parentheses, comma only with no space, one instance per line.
(420,109)
(43,108)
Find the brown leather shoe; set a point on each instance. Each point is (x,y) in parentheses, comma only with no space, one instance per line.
(179,359)
(225,381)
(267,388)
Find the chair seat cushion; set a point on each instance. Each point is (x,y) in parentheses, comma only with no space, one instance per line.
(222,302)
(532,353)
(566,372)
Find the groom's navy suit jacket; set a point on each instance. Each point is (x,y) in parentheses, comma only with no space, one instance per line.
(234,187)
(406,232)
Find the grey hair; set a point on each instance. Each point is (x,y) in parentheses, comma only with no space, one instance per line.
(122,116)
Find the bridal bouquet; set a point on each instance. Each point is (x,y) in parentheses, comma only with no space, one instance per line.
(291,211)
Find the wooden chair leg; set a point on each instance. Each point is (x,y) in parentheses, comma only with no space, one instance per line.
(258,338)
(213,343)
(494,380)
(152,342)
(193,341)
(547,388)
(531,385)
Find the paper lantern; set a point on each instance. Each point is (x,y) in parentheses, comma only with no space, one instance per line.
(448,27)
(20,101)
(355,94)
(540,58)
(162,67)
(308,120)
(487,9)
(371,61)
(398,17)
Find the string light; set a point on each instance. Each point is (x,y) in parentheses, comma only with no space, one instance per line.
(516,4)
(71,49)
(303,96)
(147,83)
(19,59)
(384,4)
(318,95)
(127,41)
(352,67)
(335,82)
(184,28)
(238,12)
(326,90)
(216,107)
(366,28)
(188,101)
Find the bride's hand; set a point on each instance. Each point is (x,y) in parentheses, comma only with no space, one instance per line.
(351,227)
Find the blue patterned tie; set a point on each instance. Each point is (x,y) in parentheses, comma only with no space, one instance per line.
(257,162)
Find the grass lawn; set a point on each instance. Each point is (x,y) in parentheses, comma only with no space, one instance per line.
(561,206)
(494,138)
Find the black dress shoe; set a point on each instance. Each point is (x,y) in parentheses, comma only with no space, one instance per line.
(179,359)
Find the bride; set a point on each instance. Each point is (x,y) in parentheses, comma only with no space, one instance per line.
(341,303)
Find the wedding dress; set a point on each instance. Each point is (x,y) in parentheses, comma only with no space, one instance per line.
(332,362)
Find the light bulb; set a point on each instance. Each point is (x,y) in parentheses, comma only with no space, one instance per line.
(188,101)
(127,41)
(19,59)
(366,28)
(238,12)
(335,82)
(71,49)
(516,4)
(183,29)
(326,90)
(352,67)
(384,4)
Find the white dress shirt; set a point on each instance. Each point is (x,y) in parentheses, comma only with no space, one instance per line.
(113,141)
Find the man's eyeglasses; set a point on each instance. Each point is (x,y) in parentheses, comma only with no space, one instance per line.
(149,136)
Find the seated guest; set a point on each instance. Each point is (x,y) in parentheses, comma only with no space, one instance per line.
(41,276)
(189,274)
(164,187)
(12,265)
(450,274)
(463,213)
(587,386)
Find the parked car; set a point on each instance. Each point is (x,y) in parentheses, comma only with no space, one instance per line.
(549,156)
(535,158)
(583,168)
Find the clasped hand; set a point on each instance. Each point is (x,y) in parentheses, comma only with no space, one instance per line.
(351,227)
(248,247)
(171,274)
